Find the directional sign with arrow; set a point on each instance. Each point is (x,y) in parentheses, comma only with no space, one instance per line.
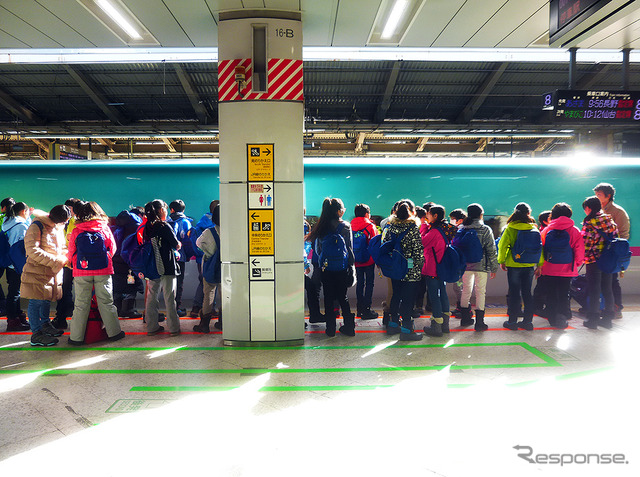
(261,239)
(260,162)
(262,268)
(261,195)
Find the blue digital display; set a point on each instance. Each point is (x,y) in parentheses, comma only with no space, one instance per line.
(595,106)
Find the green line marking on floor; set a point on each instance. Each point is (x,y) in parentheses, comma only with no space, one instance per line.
(546,361)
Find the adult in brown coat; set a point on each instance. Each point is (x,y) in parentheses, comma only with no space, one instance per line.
(42,274)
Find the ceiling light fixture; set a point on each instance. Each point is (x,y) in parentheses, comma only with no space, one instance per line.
(117,17)
(394,18)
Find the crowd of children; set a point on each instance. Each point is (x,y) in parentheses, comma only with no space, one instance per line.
(73,255)
(74,247)
(553,251)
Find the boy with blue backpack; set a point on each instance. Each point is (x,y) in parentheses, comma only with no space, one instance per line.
(194,233)
(363,231)
(519,252)
(209,243)
(181,225)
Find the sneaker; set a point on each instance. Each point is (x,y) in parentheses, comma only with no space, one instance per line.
(410,336)
(153,333)
(60,323)
(417,313)
(195,312)
(75,343)
(346,330)
(317,318)
(40,339)
(175,333)
(218,325)
(117,337)
(369,314)
(393,328)
(524,325)
(181,312)
(510,325)
(617,314)
(15,325)
(591,324)
(50,330)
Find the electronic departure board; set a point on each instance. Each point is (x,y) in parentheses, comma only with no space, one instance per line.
(564,12)
(594,106)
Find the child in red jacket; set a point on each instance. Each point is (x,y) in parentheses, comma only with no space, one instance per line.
(363,230)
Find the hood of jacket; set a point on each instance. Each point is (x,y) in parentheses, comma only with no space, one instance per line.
(476,224)
(359,223)
(205,222)
(128,221)
(404,223)
(11,221)
(561,223)
(92,226)
(520,225)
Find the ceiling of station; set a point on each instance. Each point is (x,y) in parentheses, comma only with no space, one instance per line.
(349,105)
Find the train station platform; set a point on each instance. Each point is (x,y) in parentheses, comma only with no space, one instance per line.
(493,403)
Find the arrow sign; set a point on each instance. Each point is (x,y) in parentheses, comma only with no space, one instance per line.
(255,262)
(254,216)
(268,151)
(267,188)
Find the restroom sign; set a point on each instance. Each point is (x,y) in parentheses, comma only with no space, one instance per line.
(260,162)
(261,235)
(261,195)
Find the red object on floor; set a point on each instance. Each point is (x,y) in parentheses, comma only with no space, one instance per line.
(94,332)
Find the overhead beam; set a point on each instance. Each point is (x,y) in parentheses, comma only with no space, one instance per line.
(384,105)
(422,142)
(92,90)
(19,110)
(170,144)
(589,79)
(192,94)
(469,111)
(360,142)
(108,143)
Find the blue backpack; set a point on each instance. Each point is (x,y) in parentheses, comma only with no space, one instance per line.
(388,255)
(140,257)
(616,254)
(527,247)
(468,242)
(453,264)
(361,246)
(557,247)
(5,260)
(334,255)
(211,267)
(91,251)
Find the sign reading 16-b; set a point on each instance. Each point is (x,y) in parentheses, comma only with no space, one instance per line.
(284,32)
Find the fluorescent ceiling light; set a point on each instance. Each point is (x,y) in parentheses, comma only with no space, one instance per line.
(394,18)
(53,56)
(117,17)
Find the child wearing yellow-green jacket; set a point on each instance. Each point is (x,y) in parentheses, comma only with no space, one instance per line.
(519,253)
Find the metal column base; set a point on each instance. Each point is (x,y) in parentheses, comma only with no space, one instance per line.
(251,344)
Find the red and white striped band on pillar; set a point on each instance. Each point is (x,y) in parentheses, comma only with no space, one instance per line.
(284,80)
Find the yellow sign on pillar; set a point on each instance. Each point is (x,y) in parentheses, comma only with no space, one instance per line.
(261,241)
(260,162)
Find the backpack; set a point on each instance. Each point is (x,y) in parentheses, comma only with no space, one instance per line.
(334,255)
(5,259)
(388,255)
(211,267)
(557,247)
(360,246)
(527,247)
(453,264)
(91,251)
(616,255)
(468,242)
(140,257)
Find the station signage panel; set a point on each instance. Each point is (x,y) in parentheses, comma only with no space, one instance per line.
(260,162)
(594,106)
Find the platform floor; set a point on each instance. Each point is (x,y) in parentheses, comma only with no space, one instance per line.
(363,406)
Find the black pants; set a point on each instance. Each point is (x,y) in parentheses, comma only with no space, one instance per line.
(335,289)
(599,282)
(64,307)
(558,299)
(312,286)
(364,286)
(180,287)
(13,294)
(520,280)
(617,291)
(402,301)
(541,293)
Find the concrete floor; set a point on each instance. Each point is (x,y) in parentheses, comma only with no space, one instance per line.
(367,405)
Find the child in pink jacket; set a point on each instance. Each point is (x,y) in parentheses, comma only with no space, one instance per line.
(91,247)
(563,250)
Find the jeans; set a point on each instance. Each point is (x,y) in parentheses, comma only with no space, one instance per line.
(364,286)
(599,282)
(404,296)
(437,290)
(199,296)
(38,312)
(520,280)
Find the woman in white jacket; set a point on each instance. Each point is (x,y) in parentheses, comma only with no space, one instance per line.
(209,245)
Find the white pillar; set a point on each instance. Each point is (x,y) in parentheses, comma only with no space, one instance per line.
(261,175)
